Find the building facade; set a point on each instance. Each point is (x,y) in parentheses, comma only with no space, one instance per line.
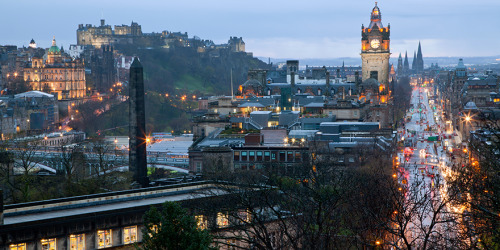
(58,74)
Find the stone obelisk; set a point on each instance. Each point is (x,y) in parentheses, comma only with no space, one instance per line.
(137,125)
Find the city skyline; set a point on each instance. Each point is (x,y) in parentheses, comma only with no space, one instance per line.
(276,29)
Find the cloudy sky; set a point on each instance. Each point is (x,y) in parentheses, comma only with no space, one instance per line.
(271,28)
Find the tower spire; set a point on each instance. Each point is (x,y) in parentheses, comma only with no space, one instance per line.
(400,64)
(406,64)
(414,63)
(420,59)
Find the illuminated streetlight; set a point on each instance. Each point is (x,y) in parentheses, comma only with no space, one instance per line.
(467,118)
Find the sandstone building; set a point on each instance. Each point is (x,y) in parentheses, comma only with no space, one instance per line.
(57,74)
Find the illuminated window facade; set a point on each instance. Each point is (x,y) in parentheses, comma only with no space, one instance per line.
(49,244)
(130,235)
(104,238)
(20,246)
(222,220)
(245,216)
(77,242)
(201,222)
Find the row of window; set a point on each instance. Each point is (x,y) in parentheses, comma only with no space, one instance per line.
(77,241)
(282,156)
(222,219)
(105,237)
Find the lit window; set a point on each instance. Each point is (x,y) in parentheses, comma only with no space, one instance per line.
(77,242)
(222,220)
(201,222)
(104,238)
(154,229)
(245,216)
(130,235)
(49,244)
(20,246)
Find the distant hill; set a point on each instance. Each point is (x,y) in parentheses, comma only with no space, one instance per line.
(183,70)
(352,61)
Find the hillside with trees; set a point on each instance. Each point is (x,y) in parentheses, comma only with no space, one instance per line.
(183,70)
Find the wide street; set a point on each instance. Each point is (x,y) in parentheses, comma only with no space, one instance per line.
(424,167)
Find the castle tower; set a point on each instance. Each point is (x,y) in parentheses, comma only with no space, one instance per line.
(375,48)
(137,125)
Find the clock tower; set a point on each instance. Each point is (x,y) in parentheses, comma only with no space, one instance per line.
(375,49)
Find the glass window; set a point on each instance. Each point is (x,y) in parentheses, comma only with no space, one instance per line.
(130,235)
(153,229)
(244,156)
(201,222)
(20,246)
(245,216)
(259,155)
(49,244)
(251,156)
(297,156)
(282,156)
(289,156)
(77,242)
(104,238)
(267,156)
(198,167)
(222,220)
(236,155)
(273,155)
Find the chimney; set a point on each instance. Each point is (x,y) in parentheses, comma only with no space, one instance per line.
(327,73)
(102,22)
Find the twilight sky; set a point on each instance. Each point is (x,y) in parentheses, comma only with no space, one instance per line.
(271,28)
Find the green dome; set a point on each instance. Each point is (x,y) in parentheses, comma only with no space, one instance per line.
(54,48)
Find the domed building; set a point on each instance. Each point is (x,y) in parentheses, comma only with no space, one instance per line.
(58,74)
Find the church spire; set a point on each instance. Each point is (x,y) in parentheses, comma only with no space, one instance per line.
(420,59)
(414,63)
(400,65)
(406,64)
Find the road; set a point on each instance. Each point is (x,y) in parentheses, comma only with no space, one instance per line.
(425,170)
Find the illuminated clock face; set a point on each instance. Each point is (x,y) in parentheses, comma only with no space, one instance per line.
(375,43)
